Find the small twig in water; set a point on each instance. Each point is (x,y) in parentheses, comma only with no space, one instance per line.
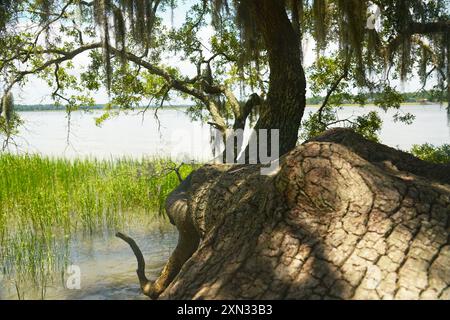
(143,281)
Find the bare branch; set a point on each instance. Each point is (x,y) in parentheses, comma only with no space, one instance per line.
(143,281)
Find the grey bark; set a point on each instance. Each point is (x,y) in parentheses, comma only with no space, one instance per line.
(343,218)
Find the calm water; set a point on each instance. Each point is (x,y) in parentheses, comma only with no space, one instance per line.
(106,263)
(128,135)
(177,137)
(107,266)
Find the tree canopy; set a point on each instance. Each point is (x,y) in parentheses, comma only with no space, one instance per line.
(249,63)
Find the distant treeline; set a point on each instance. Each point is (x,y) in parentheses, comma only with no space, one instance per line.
(47,107)
(411,97)
(51,107)
(408,97)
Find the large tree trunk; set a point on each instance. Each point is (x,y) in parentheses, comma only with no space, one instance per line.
(448,72)
(343,218)
(285,103)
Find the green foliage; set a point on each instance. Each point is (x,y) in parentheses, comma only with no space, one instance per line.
(10,128)
(312,127)
(330,76)
(324,74)
(388,97)
(9,119)
(406,118)
(107,114)
(431,153)
(232,55)
(90,78)
(196,112)
(368,125)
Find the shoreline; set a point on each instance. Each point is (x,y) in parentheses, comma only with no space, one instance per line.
(184,107)
(404,104)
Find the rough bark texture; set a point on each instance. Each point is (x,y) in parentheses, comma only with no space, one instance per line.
(343,218)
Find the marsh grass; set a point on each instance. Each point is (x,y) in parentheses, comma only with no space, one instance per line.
(44,201)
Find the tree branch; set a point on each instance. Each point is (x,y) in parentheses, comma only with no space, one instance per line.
(45,27)
(334,87)
(416,28)
(65,57)
(143,281)
(428,28)
(174,83)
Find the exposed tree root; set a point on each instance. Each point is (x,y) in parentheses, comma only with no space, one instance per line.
(343,218)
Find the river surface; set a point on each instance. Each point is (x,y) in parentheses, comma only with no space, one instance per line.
(106,264)
(175,135)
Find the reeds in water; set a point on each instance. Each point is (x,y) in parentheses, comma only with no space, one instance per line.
(44,201)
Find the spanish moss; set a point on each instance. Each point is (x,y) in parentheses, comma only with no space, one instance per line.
(7,106)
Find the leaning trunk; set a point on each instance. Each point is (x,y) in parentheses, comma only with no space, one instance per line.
(448,73)
(285,103)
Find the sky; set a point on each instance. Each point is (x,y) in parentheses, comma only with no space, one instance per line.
(36,91)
